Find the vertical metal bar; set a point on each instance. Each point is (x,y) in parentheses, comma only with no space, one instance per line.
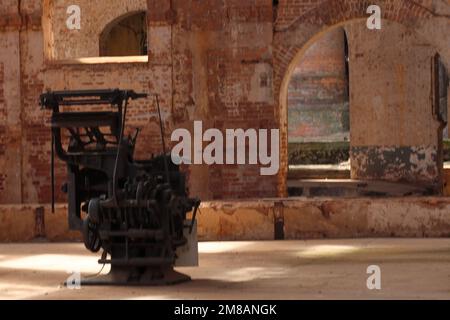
(161,127)
(278,213)
(119,146)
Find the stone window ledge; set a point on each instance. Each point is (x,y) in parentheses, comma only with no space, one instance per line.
(101,60)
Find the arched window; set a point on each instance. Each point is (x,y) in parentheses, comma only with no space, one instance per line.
(125,36)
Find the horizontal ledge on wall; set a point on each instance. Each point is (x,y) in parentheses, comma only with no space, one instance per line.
(265,219)
(101,60)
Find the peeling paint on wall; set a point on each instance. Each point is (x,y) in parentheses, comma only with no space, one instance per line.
(409,164)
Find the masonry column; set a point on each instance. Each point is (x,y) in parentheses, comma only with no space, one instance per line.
(10,105)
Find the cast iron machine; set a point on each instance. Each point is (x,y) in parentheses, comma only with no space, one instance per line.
(136,211)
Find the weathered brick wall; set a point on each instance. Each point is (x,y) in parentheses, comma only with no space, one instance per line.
(290,10)
(9,15)
(394,131)
(223,65)
(10,107)
(219,61)
(213,64)
(2,126)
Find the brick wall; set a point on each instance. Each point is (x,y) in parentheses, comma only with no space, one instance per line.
(2,95)
(219,61)
(208,66)
(291,10)
(2,125)
(223,69)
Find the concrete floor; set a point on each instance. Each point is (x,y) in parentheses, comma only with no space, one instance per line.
(326,269)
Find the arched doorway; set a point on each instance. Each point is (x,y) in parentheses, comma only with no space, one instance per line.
(318,112)
(295,32)
(396,129)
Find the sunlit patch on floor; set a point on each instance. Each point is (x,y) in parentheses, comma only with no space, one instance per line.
(54,262)
(219,247)
(12,291)
(252,273)
(327,251)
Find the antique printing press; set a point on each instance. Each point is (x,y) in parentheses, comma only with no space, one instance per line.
(136,211)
